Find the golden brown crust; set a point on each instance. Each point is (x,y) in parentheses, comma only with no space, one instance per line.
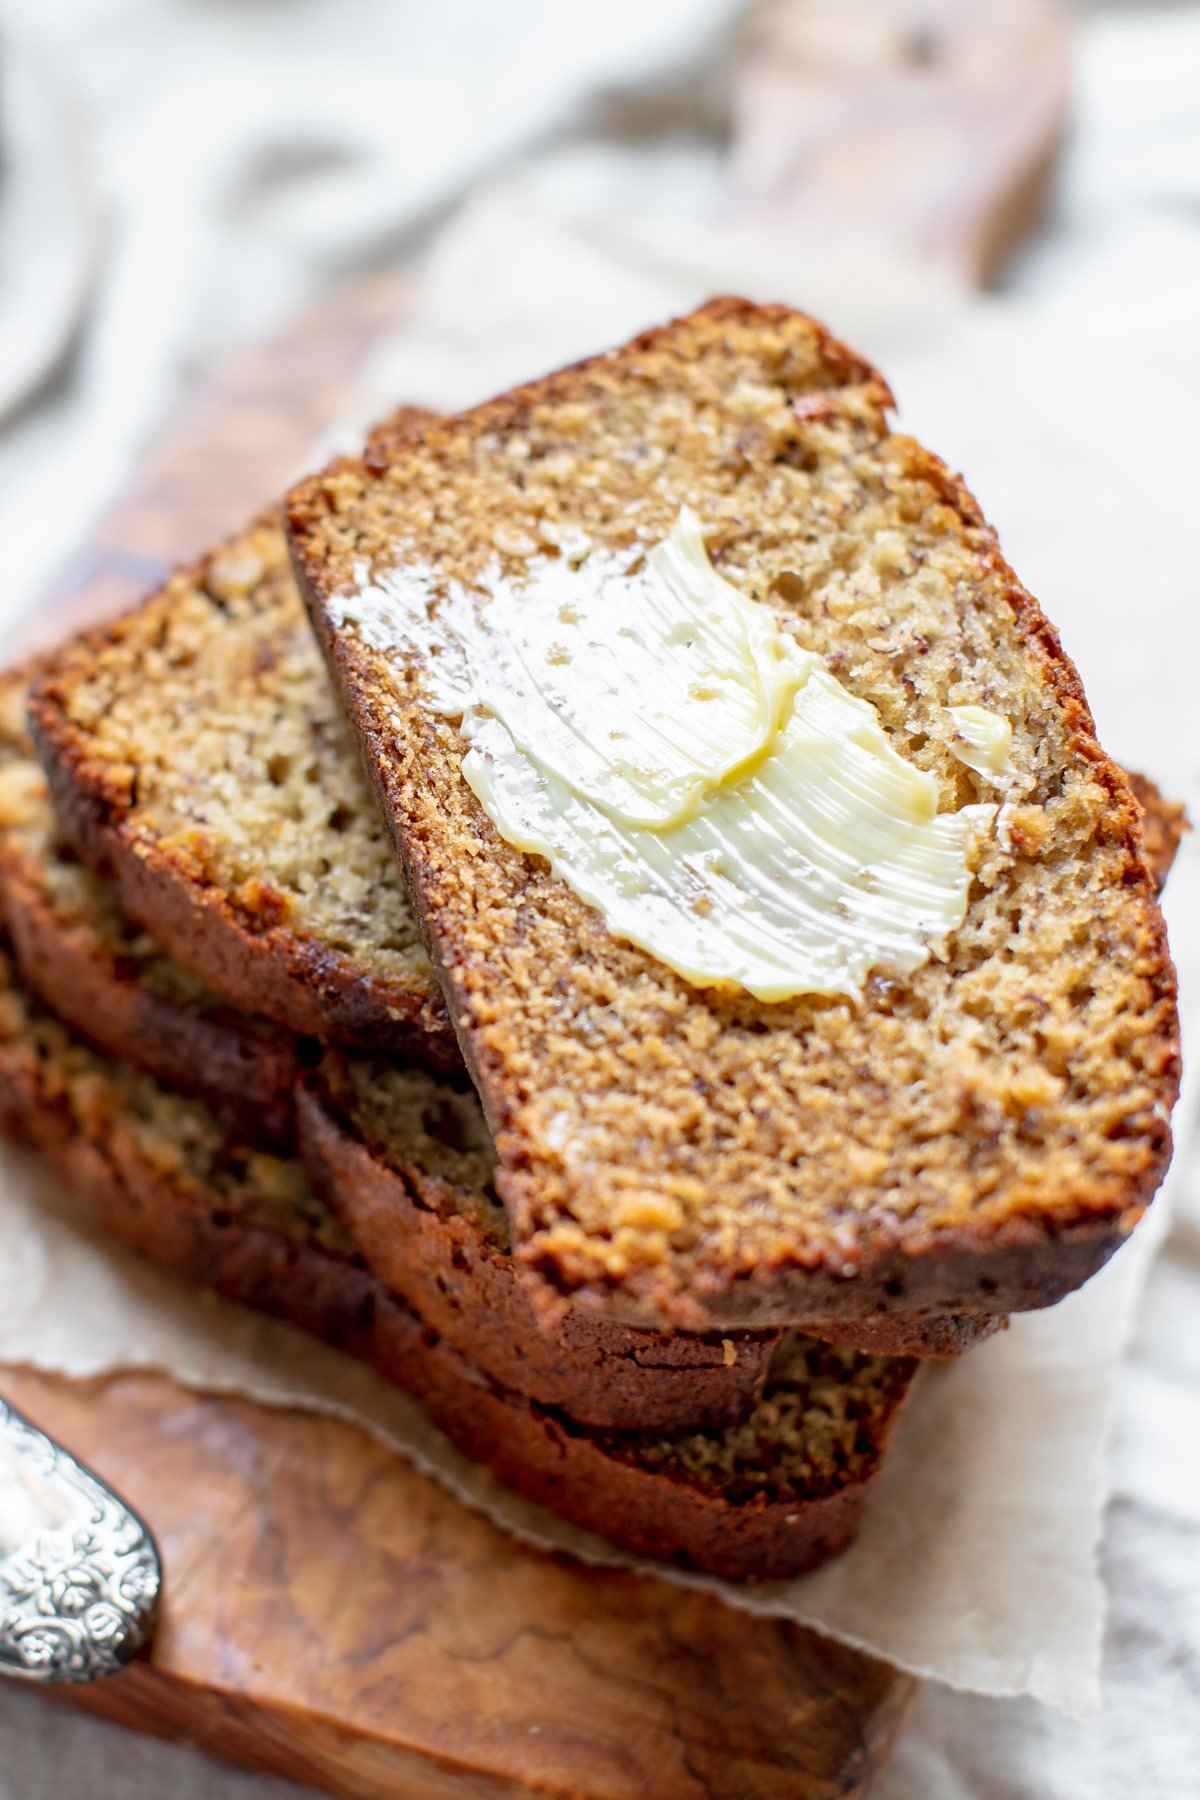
(695,1501)
(939,1336)
(404,1162)
(116,719)
(982,1136)
(1163,825)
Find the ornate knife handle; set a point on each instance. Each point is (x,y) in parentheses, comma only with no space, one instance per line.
(79,1571)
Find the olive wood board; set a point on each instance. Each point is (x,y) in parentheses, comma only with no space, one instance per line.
(330,1614)
(333,1616)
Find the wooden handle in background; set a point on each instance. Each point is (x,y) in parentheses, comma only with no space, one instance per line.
(931,125)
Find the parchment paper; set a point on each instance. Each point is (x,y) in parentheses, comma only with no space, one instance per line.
(977,1563)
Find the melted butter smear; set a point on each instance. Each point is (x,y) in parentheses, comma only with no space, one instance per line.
(687,769)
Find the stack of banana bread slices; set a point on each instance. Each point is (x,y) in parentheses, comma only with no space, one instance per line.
(219,1019)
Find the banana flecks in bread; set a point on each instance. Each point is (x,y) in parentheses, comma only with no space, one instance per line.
(210,711)
(441,1124)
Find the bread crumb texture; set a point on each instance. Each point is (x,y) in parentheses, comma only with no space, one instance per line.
(662,1146)
(823,1419)
(206,723)
(435,1127)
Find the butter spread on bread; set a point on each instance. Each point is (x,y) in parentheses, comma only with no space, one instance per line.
(689,769)
(982,740)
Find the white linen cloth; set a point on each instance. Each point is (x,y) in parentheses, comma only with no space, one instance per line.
(1147,1729)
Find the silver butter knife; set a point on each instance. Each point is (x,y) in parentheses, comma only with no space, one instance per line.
(80,1573)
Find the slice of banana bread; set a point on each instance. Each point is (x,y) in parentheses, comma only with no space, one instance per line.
(197,757)
(767,1498)
(106,977)
(420,1221)
(978,1136)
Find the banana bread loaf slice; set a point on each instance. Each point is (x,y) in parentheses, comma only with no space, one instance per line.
(197,758)
(977,1135)
(767,1498)
(106,977)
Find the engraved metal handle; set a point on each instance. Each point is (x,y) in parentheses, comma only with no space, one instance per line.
(79,1571)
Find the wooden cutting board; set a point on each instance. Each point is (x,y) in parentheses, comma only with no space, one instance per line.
(329,1614)
(332,1616)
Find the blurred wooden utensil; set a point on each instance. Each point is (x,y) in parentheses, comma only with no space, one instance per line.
(929,125)
(329,1613)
